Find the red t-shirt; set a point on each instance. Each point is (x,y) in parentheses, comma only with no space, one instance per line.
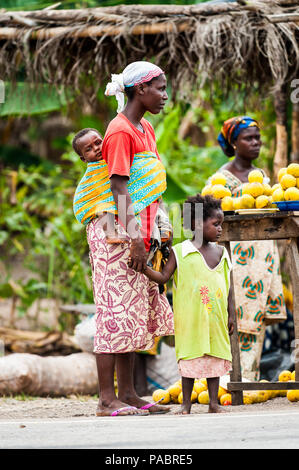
(121,142)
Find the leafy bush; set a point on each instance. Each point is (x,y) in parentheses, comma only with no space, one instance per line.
(40,225)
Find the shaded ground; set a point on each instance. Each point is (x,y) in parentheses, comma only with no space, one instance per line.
(84,406)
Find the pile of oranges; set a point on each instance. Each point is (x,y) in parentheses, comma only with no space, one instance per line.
(256,193)
(287,188)
(200,394)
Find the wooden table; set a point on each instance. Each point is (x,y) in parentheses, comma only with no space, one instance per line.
(264,226)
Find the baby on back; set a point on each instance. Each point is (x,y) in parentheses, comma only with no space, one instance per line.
(87,143)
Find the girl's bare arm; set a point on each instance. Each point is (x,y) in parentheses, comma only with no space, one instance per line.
(167,271)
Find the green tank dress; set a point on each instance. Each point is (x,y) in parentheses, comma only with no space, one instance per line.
(200,301)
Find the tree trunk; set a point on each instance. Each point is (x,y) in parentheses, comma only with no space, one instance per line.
(281,154)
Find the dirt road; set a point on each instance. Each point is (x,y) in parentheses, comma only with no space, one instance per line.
(85,406)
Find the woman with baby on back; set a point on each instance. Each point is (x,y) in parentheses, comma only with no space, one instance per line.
(128,184)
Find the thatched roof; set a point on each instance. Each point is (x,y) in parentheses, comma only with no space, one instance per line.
(252,42)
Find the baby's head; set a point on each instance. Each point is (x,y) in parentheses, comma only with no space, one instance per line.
(207,218)
(87,143)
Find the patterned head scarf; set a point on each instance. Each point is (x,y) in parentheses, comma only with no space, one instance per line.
(133,74)
(231,130)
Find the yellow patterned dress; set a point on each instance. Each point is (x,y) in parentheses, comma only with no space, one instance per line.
(258,291)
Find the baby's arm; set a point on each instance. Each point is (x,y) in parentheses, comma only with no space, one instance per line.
(167,271)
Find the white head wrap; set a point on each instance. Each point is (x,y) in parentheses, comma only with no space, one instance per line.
(133,74)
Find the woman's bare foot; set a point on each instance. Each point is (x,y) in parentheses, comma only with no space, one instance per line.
(120,408)
(216,409)
(134,400)
(185,409)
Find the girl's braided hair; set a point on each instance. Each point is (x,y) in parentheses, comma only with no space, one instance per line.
(209,204)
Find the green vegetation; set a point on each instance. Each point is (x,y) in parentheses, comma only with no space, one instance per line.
(36,195)
(29,5)
(36,216)
(40,226)
(23,100)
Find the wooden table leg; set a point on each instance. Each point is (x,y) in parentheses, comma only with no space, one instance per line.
(293,260)
(235,376)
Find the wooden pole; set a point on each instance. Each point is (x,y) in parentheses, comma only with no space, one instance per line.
(96,31)
(281,154)
(119,15)
(127,10)
(294,17)
(293,260)
(236,375)
(60,16)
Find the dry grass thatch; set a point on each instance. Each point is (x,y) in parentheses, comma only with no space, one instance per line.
(253,42)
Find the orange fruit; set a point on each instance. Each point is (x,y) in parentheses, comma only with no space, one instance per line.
(162,395)
(221,391)
(255,176)
(174,390)
(293,395)
(218,178)
(293,169)
(285,376)
(199,387)
(281,173)
(203,398)
(288,181)
(226,399)
(248,398)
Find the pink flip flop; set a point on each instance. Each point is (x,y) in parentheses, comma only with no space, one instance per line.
(124,408)
(149,405)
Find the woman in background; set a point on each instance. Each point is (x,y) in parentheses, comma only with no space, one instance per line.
(258,290)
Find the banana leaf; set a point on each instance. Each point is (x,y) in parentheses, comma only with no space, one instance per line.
(25,4)
(175,192)
(24,100)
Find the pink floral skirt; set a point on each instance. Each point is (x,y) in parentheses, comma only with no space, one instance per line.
(204,367)
(130,311)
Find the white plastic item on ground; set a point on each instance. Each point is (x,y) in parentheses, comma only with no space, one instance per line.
(226,378)
(48,376)
(84,333)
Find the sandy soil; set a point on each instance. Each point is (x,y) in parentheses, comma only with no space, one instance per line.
(84,406)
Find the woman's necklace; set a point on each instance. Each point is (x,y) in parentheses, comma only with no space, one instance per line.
(140,128)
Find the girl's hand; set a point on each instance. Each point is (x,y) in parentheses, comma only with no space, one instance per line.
(167,271)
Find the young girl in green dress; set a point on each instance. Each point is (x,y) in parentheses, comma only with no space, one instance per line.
(201,301)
